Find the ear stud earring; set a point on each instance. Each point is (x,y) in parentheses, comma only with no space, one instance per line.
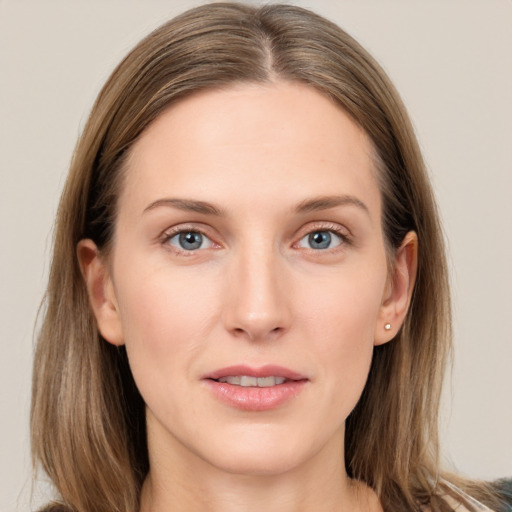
(387,327)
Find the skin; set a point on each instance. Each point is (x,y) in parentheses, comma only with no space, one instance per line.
(256,292)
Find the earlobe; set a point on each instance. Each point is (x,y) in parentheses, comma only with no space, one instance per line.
(101,292)
(399,290)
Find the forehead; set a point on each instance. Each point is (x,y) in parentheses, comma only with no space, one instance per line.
(252,142)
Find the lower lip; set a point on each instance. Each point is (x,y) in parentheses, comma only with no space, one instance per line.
(255,398)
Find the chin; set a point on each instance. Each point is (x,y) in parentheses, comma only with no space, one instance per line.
(267,453)
(258,462)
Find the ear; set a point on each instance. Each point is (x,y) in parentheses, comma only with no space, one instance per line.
(101,292)
(399,288)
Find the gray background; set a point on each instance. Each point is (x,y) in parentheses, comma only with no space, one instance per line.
(452,62)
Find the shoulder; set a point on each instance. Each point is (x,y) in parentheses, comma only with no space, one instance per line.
(503,488)
(496,497)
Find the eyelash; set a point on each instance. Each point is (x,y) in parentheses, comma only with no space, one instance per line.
(170,234)
(342,233)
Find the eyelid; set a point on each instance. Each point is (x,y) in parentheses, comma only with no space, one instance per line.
(170,233)
(337,229)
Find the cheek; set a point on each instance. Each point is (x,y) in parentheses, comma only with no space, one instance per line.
(345,307)
(341,321)
(160,305)
(165,320)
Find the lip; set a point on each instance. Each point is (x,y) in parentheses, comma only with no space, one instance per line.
(268,370)
(255,398)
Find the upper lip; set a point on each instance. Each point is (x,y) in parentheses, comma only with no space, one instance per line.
(268,370)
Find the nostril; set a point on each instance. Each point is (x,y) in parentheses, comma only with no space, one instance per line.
(254,333)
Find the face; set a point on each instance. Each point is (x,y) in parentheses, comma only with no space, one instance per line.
(248,277)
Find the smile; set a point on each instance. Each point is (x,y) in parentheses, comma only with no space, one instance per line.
(255,389)
(250,381)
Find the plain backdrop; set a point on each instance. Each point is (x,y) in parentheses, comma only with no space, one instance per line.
(452,62)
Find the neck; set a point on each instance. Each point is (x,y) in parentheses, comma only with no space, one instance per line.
(272,496)
(176,483)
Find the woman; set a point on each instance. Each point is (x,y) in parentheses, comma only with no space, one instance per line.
(248,303)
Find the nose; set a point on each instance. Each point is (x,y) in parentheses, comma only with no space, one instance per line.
(257,306)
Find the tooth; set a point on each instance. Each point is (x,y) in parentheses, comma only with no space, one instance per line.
(265,382)
(231,379)
(249,381)
(246,380)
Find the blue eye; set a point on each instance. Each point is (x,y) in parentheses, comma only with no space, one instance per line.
(190,241)
(319,240)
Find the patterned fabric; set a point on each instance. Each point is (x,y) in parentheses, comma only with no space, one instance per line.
(458,506)
(503,489)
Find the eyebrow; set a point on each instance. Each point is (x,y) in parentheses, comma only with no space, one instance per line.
(306,206)
(188,205)
(326,202)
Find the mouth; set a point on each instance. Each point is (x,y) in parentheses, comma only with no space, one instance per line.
(255,389)
(262,377)
(249,381)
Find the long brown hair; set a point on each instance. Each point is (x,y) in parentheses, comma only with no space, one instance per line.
(88,424)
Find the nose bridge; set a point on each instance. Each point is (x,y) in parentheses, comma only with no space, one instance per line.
(257,305)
